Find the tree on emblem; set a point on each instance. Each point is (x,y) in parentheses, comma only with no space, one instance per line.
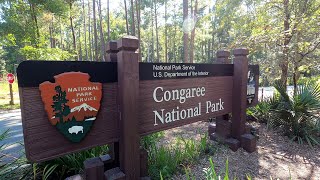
(60,106)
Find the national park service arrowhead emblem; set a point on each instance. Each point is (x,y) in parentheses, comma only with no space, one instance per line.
(72,103)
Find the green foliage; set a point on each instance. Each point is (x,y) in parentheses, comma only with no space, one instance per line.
(211,173)
(149,141)
(296,115)
(261,111)
(32,53)
(29,28)
(10,169)
(165,161)
(188,174)
(305,80)
(65,166)
(9,107)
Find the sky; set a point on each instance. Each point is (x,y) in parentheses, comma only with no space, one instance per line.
(114,4)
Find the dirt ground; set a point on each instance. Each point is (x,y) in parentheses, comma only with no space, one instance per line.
(276,156)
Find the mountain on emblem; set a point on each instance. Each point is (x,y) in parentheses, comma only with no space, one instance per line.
(72,103)
(84,107)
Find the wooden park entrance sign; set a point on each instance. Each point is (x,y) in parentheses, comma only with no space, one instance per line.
(72,106)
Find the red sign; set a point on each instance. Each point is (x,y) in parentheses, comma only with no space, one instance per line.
(10,78)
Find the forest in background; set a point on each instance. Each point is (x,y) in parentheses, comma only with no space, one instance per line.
(283,36)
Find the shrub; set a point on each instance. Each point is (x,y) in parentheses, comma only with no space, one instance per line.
(295,115)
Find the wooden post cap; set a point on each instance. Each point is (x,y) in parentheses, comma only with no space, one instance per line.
(241,52)
(223,53)
(112,47)
(128,43)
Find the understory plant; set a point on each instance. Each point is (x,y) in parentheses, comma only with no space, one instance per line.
(164,161)
(10,167)
(66,166)
(296,115)
(211,173)
(260,112)
(4,167)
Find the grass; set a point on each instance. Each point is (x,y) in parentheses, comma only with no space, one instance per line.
(5,96)
(9,107)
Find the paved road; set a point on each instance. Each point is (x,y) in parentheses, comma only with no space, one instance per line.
(12,120)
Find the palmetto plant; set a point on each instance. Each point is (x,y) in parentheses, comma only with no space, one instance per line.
(10,168)
(296,115)
(4,167)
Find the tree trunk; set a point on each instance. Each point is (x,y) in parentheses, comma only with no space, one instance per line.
(51,33)
(174,35)
(103,49)
(89,32)
(157,35)
(193,33)
(126,12)
(152,35)
(84,29)
(285,60)
(209,51)
(213,31)
(133,27)
(61,35)
(72,30)
(35,20)
(80,47)
(96,57)
(166,32)
(185,35)
(138,25)
(108,15)
(296,63)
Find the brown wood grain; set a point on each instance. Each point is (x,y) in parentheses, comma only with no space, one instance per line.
(216,88)
(239,102)
(43,141)
(128,84)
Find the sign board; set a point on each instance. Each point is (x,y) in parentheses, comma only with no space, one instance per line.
(42,139)
(173,95)
(10,78)
(127,100)
(170,95)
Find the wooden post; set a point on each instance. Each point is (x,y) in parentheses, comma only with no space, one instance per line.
(223,57)
(11,94)
(94,168)
(112,51)
(221,130)
(128,86)
(239,102)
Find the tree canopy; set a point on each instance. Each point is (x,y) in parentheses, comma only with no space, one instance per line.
(282,35)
